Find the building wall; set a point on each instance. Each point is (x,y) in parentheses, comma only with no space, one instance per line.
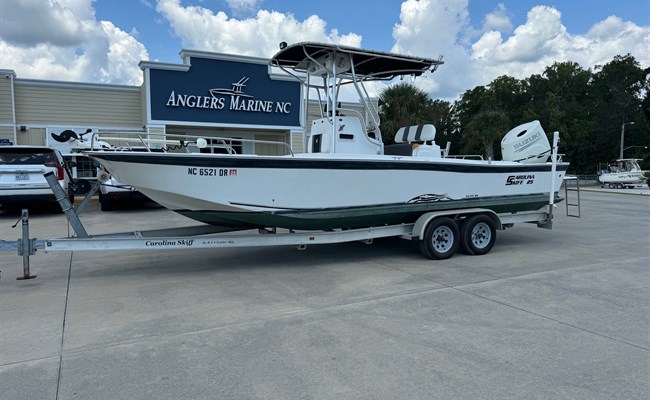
(7,133)
(297,142)
(271,149)
(46,103)
(44,107)
(143,104)
(6,106)
(31,137)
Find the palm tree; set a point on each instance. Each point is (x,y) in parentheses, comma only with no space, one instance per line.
(484,129)
(401,105)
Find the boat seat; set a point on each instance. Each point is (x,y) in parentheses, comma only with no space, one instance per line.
(415,133)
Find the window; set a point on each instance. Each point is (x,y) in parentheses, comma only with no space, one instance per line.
(26,156)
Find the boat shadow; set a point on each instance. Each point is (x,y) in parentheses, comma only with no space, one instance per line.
(210,261)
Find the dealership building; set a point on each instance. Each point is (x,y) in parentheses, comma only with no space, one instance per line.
(207,95)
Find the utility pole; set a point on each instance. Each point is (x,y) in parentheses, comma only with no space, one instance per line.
(623,136)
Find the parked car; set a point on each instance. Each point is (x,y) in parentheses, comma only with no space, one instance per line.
(21,175)
(113,193)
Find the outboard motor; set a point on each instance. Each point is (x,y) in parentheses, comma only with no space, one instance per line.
(526,143)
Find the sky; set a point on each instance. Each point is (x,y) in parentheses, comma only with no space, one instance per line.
(102,41)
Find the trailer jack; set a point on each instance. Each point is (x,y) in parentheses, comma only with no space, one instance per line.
(26,247)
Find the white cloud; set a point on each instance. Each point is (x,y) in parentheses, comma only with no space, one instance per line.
(124,54)
(243,7)
(613,36)
(146,3)
(543,40)
(58,24)
(542,35)
(498,20)
(65,42)
(429,27)
(201,29)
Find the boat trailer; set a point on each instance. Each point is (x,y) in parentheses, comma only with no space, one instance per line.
(435,242)
(440,233)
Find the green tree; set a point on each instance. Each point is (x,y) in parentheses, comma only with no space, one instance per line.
(559,99)
(618,91)
(504,97)
(508,95)
(587,108)
(402,105)
(441,114)
(484,130)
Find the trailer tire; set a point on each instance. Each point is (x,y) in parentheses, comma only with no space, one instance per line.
(477,235)
(105,203)
(441,239)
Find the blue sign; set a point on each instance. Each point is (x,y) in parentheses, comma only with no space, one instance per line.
(224,92)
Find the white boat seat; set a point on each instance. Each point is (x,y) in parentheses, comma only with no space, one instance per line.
(415,133)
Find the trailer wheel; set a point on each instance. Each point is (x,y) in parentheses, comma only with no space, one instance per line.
(441,239)
(105,203)
(620,186)
(477,235)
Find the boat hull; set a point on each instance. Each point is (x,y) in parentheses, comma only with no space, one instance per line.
(622,177)
(361,216)
(312,192)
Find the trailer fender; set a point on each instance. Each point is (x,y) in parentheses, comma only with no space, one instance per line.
(423,221)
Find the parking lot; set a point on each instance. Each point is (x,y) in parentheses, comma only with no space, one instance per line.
(559,314)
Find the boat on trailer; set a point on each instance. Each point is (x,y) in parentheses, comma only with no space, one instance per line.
(346,178)
(621,173)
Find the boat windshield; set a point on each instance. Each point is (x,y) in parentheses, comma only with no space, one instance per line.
(632,165)
(626,166)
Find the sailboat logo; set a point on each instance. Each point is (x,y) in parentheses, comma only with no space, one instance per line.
(237,89)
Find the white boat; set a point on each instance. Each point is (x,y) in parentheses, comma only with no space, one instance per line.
(347,178)
(82,170)
(621,173)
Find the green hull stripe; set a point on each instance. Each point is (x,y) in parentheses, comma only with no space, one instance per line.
(357,217)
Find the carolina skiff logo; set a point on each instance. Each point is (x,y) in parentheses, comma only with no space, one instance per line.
(169,243)
(520,180)
(238,100)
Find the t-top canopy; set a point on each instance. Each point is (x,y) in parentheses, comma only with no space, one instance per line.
(366,63)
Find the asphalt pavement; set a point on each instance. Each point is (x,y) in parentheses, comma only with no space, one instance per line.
(548,314)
